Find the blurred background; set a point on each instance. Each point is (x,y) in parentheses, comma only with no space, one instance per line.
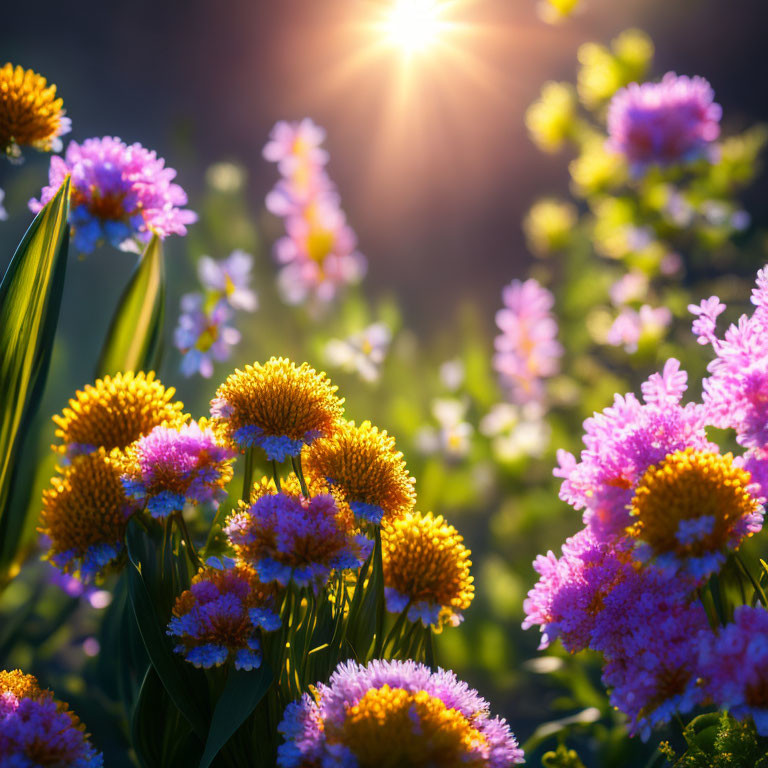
(436,172)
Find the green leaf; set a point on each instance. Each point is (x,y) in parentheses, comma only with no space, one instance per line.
(241,695)
(30,298)
(135,334)
(167,666)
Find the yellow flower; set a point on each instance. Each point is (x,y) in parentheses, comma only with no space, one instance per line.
(549,225)
(84,517)
(364,466)
(20,685)
(30,113)
(426,568)
(596,169)
(551,119)
(277,406)
(379,731)
(604,71)
(555,11)
(694,504)
(115,411)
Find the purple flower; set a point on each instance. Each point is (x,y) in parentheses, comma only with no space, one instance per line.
(623,441)
(120,193)
(735,392)
(229,279)
(648,629)
(527,350)
(664,123)
(36,730)
(288,537)
(571,589)
(204,335)
(219,617)
(395,713)
(172,467)
(734,664)
(630,326)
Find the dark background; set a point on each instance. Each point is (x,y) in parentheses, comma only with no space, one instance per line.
(435,183)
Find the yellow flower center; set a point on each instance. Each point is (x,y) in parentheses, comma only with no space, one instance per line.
(394,728)
(425,559)
(30,113)
(20,685)
(690,502)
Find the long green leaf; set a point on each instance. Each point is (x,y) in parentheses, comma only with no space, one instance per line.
(135,334)
(30,298)
(241,695)
(158,648)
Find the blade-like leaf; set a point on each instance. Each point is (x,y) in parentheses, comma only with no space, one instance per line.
(30,298)
(135,334)
(241,695)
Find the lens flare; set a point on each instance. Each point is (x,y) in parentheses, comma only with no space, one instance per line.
(413,26)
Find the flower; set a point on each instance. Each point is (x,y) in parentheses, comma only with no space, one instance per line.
(229,279)
(318,253)
(219,617)
(454,433)
(278,406)
(426,569)
(663,123)
(632,326)
(288,537)
(555,11)
(734,392)
(551,120)
(37,730)
(692,507)
(623,441)
(571,589)
(84,517)
(394,713)
(734,664)
(204,335)
(548,225)
(30,113)
(516,432)
(120,193)
(361,353)
(364,466)
(649,628)
(174,466)
(527,350)
(115,411)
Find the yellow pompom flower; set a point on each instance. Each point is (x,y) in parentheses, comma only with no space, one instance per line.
(363,465)
(555,11)
(115,411)
(30,113)
(19,685)
(426,569)
(548,225)
(278,406)
(551,118)
(596,169)
(692,507)
(84,517)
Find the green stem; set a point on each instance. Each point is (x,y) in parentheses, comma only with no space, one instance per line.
(395,632)
(755,584)
(296,463)
(248,474)
(193,556)
(276,476)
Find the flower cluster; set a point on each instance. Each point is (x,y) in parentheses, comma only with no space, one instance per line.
(362,352)
(37,730)
(664,123)
(278,406)
(120,194)
(394,713)
(527,350)
(289,537)
(30,113)
(219,617)
(318,253)
(205,333)
(426,569)
(663,509)
(171,467)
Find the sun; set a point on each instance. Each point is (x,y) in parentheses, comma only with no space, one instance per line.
(413,26)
